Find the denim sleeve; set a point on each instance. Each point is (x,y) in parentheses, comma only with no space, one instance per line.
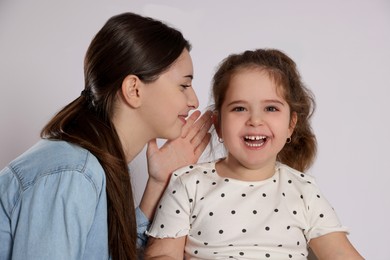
(55,217)
(142,225)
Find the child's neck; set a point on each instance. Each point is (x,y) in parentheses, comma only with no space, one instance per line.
(231,168)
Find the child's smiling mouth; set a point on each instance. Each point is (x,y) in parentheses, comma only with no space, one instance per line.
(255,140)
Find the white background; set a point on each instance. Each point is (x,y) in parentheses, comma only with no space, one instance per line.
(342,49)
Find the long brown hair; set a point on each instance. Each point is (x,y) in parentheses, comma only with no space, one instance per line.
(127,44)
(301,151)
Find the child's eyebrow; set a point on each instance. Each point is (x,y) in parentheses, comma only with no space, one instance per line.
(274,101)
(264,101)
(236,102)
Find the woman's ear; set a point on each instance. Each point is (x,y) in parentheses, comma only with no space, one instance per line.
(131,91)
(293,122)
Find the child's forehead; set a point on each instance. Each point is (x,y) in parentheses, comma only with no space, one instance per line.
(272,75)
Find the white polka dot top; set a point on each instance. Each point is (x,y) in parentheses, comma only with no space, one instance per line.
(226,218)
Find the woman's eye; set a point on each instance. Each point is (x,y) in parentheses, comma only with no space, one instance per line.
(271,109)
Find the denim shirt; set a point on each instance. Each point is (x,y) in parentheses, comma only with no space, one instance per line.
(53,205)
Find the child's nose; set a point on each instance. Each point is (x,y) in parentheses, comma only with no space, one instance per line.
(255,119)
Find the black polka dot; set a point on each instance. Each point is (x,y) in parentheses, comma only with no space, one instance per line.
(222,195)
(196,252)
(162,226)
(193,216)
(243,230)
(294,212)
(255,212)
(233,212)
(191,166)
(288,227)
(243,195)
(267,228)
(264,195)
(289,256)
(214,183)
(199,233)
(177,211)
(197,182)
(204,172)
(220,231)
(191,200)
(267,255)
(276,210)
(205,243)
(321,215)
(241,253)
(173,192)
(301,196)
(290,181)
(318,196)
(302,175)
(211,213)
(226,180)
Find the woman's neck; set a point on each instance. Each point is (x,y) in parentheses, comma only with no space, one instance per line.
(133,133)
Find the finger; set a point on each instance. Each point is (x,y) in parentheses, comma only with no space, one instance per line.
(202,146)
(202,132)
(204,120)
(152,148)
(190,121)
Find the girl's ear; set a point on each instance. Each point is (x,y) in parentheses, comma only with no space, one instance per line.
(216,122)
(131,86)
(293,122)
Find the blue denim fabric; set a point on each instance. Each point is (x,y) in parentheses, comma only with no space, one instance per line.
(143,224)
(53,205)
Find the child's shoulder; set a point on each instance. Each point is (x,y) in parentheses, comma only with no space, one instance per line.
(295,175)
(195,168)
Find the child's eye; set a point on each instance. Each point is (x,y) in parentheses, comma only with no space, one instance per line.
(271,109)
(239,109)
(185,85)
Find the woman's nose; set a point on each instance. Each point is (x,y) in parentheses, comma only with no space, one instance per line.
(192,98)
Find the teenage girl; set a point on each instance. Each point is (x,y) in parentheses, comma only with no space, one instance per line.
(70,196)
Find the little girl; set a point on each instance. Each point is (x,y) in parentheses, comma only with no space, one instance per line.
(256,203)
